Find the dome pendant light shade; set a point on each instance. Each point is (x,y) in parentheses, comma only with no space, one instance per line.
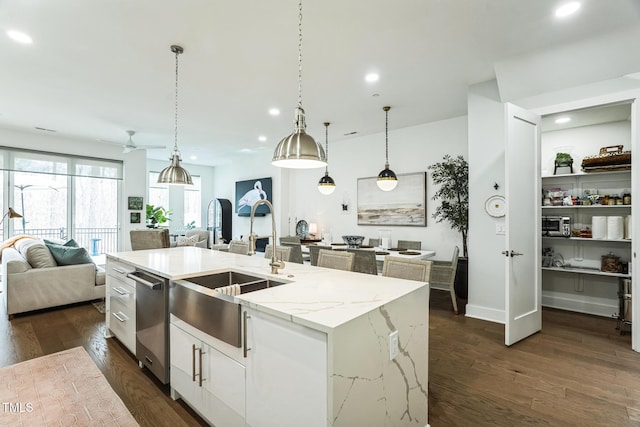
(387,179)
(175,174)
(326,185)
(299,150)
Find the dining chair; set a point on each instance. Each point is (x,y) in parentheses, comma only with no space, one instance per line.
(149,239)
(313,253)
(340,260)
(296,252)
(374,242)
(364,261)
(410,269)
(289,239)
(444,273)
(410,244)
(283,253)
(239,247)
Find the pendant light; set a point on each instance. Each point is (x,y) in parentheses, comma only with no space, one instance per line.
(175,174)
(299,150)
(387,179)
(326,185)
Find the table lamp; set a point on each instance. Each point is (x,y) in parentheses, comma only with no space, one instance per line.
(12,214)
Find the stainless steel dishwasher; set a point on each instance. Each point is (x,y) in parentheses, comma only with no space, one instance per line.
(152,325)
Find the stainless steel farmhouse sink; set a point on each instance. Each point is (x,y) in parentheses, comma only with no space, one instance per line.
(217,315)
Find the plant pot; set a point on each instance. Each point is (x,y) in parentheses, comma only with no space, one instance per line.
(461,284)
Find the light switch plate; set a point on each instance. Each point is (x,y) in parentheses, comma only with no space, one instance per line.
(500,229)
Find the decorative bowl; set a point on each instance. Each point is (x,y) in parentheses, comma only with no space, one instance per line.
(353,241)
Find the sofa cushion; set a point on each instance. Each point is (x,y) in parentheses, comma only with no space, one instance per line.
(69,242)
(69,255)
(101,276)
(36,253)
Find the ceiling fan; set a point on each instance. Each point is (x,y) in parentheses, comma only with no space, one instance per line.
(131,146)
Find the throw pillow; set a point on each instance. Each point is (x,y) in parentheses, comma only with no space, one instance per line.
(187,241)
(69,242)
(36,253)
(69,255)
(202,244)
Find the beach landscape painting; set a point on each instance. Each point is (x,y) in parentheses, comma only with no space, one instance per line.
(405,205)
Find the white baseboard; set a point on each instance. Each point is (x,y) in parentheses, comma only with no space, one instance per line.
(484,313)
(571,304)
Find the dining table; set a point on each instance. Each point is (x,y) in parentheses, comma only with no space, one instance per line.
(381,253)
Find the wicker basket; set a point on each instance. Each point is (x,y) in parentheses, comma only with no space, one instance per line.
(609,158)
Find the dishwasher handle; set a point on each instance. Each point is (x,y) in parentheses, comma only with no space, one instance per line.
(151,285)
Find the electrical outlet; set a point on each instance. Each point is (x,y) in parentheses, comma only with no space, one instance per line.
(393,345)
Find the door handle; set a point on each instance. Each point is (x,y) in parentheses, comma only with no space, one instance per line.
(505,253)
(513,253)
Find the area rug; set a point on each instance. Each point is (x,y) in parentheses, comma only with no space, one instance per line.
(60,389)
(99,305)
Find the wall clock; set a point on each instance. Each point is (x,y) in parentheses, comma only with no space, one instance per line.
(495,206)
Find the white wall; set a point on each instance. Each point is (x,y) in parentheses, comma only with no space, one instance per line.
(134,183)
(486,299)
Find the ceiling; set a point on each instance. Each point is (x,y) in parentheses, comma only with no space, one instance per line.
(96,68)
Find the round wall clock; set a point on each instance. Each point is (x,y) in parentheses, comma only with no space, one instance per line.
(495,206)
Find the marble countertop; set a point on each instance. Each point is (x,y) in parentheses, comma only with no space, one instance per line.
(320,298)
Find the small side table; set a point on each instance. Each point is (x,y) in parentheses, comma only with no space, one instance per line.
(94,246)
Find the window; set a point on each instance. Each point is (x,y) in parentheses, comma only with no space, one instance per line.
(158,193)
(193,202)
(62,197)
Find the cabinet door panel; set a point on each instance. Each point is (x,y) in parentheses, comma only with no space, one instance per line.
(226,380)
(286,373)
(181,350)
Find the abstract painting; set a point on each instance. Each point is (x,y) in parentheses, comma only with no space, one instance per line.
(404,205)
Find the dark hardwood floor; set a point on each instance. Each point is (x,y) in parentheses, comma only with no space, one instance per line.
(577,371)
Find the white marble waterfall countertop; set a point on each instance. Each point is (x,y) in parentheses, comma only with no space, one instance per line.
(320,298)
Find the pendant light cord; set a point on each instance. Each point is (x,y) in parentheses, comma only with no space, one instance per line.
(386,136)
(300,54)
(326,145)
(175,140)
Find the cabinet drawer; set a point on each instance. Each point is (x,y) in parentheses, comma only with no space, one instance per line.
(124,293)
(120,270)
(122,322)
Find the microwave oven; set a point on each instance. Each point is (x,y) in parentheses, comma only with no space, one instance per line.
(556,226)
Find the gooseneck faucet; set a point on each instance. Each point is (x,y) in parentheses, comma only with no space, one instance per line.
(275,263)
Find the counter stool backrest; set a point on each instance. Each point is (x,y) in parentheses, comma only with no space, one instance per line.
(283,253)
(374,242)
(410,269)
(340,260)
(149,239)
(364,261)
(296,251)
(444,273)
(410,244)
(290,239)
(239,247)
(313,253)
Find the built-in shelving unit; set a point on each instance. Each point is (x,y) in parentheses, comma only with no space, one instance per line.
(593,272)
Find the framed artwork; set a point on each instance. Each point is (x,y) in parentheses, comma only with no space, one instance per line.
(135,203)
(251,191)
(135,217)
(404,205)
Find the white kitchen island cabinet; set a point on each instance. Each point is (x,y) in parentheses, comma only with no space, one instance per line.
(321,347)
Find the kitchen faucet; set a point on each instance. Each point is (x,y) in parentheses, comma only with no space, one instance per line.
(275,263)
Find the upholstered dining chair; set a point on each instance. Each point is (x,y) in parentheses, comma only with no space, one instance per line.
(149,239)
(203,236)
(340,260)
(410,269)
(289,239)
(239,247)
(283,253)
(374,242)
(296,252)
(313,253)
(410,244)
(364,261)
(444,273)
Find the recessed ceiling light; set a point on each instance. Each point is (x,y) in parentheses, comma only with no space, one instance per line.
(567,9)
(193,157)
(19,37)
(262,138)
(562,120)
(371,77)
(274,111)
(246,150)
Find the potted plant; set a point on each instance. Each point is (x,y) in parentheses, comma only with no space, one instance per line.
(157,215)
(452,174)
(563,159)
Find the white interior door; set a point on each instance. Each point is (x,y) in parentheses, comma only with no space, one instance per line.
(523,238)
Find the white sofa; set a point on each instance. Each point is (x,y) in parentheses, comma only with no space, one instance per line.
(31,279)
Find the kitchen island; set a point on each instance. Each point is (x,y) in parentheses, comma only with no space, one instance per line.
(324,348)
